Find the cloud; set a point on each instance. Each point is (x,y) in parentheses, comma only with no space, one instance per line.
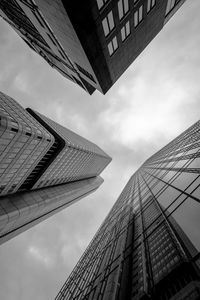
(21,82)
(41,255)
(145,111)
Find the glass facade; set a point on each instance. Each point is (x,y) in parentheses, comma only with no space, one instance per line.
(148,246)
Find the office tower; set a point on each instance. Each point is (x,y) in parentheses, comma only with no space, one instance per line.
(148,245)
(43,167)
(92,43)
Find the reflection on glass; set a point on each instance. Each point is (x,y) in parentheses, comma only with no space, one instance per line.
(187,216)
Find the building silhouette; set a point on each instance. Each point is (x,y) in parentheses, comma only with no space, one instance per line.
(44,167)
(91,45)
(148,245)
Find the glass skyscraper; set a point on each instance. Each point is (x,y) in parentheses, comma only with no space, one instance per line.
(148,245)
(44,167)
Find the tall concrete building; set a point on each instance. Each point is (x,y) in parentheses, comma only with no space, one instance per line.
(92,43)
(44,167)
(148,245)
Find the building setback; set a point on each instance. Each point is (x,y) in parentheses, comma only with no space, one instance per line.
(90,44)
(43,167)
(148,245)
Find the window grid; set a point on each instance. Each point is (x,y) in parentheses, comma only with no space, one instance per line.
(125,235)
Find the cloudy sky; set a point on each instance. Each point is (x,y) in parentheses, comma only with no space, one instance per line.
(155,100)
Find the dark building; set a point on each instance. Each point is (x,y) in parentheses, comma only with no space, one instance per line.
(44,167)
(92,43)
(148,245)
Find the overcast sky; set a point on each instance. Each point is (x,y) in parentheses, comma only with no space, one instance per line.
(155,100)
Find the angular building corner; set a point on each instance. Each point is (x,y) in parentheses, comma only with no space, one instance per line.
(148,247)
(44,167)
(90,44)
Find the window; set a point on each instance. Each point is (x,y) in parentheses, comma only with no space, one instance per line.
(61,54)
(123,8)
(108,23)
(138,16)
(150,4)
(112,46)
(29,3)
(170,5)
(14,129)
(101,3)
(125,31)
(86,73)
(51,39)
(78,82)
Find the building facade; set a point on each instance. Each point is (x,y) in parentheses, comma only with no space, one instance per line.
(91,45)
(37,154)
(23,144)
(23,210)
(148,245)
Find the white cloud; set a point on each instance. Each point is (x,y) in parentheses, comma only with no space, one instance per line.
(146,110)
(41,255)
(21,83)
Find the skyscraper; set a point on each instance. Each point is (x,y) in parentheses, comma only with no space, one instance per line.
(148,245)
(44,167)
(90,44)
